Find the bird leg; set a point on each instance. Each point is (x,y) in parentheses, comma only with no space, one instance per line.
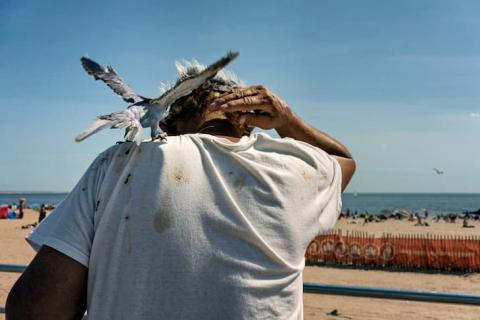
(160,136)
(156,132)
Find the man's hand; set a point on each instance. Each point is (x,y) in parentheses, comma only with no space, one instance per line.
(258,107)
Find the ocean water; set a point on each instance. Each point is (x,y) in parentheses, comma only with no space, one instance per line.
(435,203)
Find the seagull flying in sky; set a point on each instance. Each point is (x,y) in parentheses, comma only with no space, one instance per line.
(437,171)
(143,112)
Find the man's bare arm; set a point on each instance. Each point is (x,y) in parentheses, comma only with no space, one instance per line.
(261,108)
(52,287)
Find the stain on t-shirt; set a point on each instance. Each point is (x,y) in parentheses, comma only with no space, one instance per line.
(162,219)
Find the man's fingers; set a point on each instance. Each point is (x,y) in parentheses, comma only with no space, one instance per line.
(248,103)
(238,93)
(234,94)
(255,105)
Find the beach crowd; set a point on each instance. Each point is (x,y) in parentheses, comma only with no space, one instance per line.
(420,219)
(17,211)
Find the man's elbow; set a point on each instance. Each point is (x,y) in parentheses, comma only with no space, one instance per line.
(15,309)
(23,302)
(348,170)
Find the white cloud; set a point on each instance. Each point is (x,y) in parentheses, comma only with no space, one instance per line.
(475,115)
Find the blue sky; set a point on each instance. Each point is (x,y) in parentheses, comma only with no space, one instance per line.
(396,81)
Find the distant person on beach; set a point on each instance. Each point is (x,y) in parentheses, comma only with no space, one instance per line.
(21,207)
(212,223)
(419,220)
(366,218)
(426,213)
(29,225)
(42,213)
(465,223)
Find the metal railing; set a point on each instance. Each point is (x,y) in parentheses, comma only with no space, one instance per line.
(397,294)
(18,268)
(353,291)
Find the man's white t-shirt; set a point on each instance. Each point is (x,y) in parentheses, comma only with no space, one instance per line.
(197,227)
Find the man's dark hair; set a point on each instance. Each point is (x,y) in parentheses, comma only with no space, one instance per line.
(195,104)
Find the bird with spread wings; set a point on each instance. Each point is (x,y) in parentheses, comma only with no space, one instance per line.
(143,112)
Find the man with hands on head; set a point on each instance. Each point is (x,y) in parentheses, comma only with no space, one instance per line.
(213,223)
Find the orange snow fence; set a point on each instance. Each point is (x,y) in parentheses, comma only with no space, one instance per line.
(423,251)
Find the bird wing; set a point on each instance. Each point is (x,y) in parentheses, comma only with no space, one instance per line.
(187,85)
(111,78)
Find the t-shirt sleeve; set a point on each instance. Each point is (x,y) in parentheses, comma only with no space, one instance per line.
(332,195)
(327,198)
(70,227)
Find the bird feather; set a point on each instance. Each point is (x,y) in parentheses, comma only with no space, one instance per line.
(186,85)
(97,125)
(127,118)
(111,79)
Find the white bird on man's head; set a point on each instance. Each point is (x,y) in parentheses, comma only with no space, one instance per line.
(144,112)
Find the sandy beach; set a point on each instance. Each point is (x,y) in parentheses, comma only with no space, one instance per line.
(15,250)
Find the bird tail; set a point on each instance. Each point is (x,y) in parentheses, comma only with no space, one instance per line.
(98,125)
(118,120)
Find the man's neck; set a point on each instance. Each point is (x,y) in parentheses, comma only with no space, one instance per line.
(221,128)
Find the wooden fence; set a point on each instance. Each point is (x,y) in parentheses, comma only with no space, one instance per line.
(423,251)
